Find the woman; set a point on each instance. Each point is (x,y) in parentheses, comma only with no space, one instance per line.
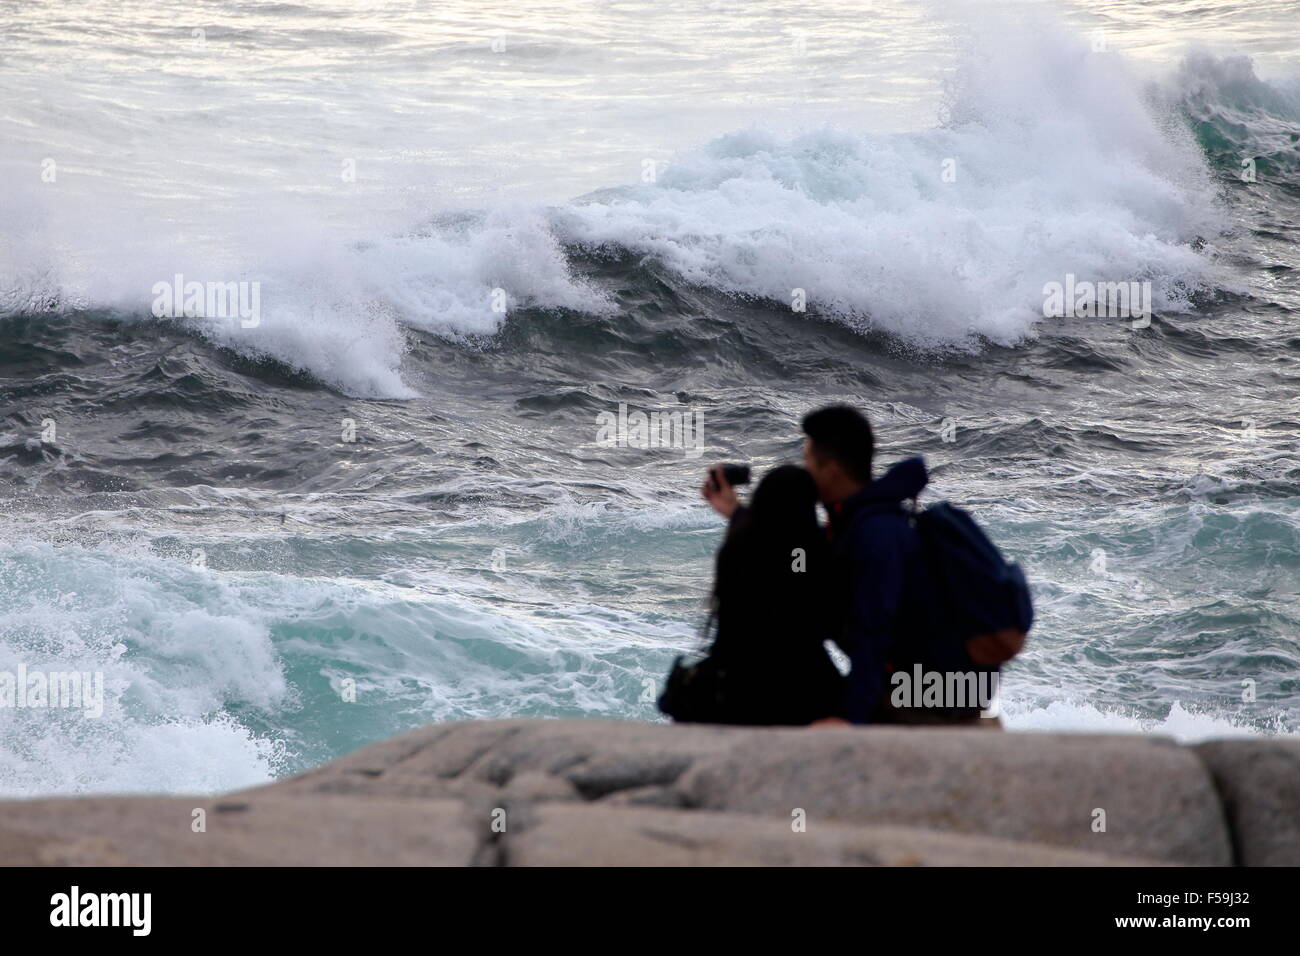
(771,609)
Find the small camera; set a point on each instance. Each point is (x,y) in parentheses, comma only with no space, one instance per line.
(735,475)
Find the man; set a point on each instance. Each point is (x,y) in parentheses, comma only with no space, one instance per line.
(884,579)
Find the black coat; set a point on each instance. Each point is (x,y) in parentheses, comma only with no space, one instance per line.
(771,621)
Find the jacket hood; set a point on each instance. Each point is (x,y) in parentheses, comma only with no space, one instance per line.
(904,480)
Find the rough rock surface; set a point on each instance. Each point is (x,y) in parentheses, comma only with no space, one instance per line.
(1158,799)
(265,830)
(568,792)
(568,835)
(1259,783)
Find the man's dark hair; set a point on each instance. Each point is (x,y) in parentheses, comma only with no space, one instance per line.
(844,434)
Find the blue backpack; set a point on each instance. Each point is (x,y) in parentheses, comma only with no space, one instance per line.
(983,608)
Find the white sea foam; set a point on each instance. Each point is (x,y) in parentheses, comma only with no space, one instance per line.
(1062,164)
(217,680)
(175,647)
(1059,163)
(1181,723)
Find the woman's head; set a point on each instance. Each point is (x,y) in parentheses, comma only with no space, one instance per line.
(785,503)
(760,573)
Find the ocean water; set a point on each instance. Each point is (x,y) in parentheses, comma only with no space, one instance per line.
(477,226)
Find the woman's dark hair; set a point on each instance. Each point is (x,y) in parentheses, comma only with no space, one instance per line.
(784,506)
(756,563)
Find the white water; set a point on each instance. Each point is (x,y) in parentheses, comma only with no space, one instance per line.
(1061,165)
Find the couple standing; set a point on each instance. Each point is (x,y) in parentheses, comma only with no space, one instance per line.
(784,584)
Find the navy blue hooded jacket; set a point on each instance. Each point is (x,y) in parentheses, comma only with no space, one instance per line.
(884,581)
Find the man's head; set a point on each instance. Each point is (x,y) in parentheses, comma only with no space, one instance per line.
(837,450)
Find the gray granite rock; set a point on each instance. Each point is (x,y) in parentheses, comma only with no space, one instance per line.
(510,792)
(1259,783)
(598,835)
(244,831)
(1158,799)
